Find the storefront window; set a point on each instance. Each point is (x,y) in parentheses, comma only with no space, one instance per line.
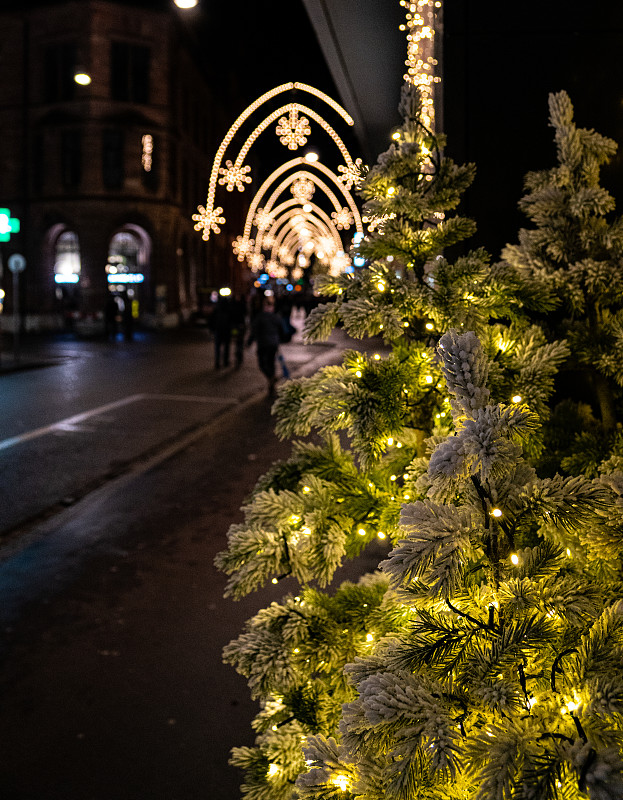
(67,258)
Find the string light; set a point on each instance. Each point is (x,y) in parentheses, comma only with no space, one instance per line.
(496,512)
(516,398)
(342,781)
(421,61)
(321,226)
(293,132)
(515,559)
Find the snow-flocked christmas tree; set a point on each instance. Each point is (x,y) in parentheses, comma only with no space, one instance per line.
(575,251)
(378,417)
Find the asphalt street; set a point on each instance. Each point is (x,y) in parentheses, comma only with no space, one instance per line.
(112,613)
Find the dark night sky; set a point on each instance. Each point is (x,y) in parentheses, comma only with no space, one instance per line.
(501,62)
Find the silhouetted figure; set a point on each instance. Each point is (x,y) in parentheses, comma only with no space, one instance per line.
(128,318)
(221,329)
(265,330)
(239,326)
(110,317)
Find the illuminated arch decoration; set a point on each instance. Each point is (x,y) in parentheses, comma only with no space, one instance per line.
(293,128)
(296,228)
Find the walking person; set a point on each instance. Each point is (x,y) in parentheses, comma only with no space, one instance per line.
(239,326)
(265,331)
(221,329)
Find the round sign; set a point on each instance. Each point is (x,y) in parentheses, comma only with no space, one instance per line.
(17,262)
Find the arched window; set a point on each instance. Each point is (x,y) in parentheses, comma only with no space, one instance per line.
(67,258)
(127,257)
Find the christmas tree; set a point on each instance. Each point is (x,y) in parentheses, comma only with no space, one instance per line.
(576,253)
(372,421)
(502,676)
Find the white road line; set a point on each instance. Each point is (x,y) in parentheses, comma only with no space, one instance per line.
(69,422)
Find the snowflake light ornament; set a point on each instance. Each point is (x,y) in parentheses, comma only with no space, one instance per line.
(292,131)
(209,220)
(268,241)
(256,261)
(352,174)
(263,219)
(338,264)
(242,246)
(285,255)
(303,189)
(342,218)
(234,176)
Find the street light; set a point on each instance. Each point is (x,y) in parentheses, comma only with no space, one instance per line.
(185,3)
(82,77)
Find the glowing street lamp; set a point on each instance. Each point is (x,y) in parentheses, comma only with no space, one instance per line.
(185,3)
(81,77)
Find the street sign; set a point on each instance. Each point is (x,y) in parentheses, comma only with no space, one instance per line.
(17,262)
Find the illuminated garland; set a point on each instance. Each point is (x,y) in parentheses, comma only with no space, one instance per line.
(421,62)
(277,230)
(291,128)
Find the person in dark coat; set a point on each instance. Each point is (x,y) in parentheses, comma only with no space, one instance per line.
(239,326)
(266,329)
(221,330)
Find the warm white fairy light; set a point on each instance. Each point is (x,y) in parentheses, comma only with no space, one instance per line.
(351,174)
(209,220)
(293,130)
(342,218)
(303,188)
(242,247)
(204,218)
(234,176)
(294,225)
(148,150)
(421,62)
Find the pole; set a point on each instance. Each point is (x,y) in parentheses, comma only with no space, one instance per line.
(16,319)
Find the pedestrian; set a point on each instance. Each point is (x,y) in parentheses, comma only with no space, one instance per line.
(265,331)
(110,316)
(239,326)
(221,329)
(128,318)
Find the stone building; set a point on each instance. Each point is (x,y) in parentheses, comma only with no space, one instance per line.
(102,173)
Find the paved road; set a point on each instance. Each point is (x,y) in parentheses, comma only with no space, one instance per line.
(99,408)
(112,613)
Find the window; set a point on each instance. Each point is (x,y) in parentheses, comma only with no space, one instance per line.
(58,81)
(67,258)
(112,159)
(129,72)
(71,158)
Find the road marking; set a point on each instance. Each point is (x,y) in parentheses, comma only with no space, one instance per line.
(71,423)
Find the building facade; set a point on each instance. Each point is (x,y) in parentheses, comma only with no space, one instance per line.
(101,174)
